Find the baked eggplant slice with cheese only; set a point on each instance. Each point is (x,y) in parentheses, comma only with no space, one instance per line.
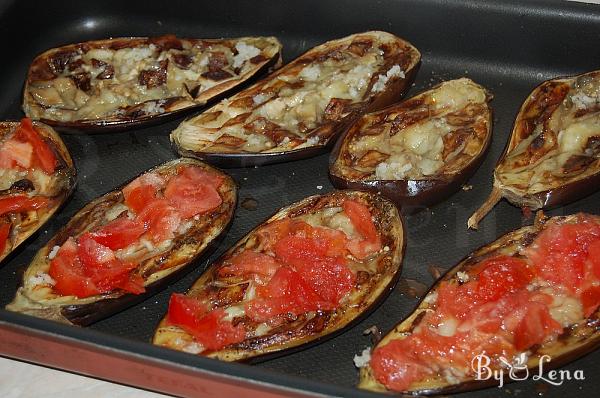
(303,275)
(128,244)
(530,296)
(299,110)
(36,177)
(420,151)
(553,155)
(119,83)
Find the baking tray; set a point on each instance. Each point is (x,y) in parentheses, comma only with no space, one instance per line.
(508,46)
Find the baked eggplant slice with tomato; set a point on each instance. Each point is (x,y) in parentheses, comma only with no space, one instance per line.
(532,295)
(128,243)
(124,82)
(419,151)
(36,177)
(553,155)
(306,273)
(299,110)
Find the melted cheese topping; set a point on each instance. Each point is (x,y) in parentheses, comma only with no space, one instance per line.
(103,83)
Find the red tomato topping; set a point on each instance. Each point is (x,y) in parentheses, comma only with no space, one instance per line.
(119,233)
(160,220)
(501,275)
(361,219)
(4,232)
(590,299)
(192,196)
(249,262)
(21,203)
(67,271)
(44,155)
(535,326)
(14,153)
(594,258)
(286,292)
(137,197)
(208,328)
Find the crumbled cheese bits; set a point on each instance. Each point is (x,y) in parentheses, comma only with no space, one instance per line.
(419,151)
(298,110)
(104,83)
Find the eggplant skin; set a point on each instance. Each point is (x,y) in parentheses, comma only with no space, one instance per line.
(307,329)
(553,155)
(575,342)
(300,110)
(357,157)
(65,177)
(158,271)
(171,76)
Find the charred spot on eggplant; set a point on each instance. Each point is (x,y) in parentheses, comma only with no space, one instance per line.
(419,151)
(553,155)
(128,244)
(94,85)
(278,288)
(37,176)
(531,293)
(299,110)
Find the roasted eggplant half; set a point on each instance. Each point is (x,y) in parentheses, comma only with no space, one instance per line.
(553,155)
(530,296)
(299,110)
(305,274)
(128,243)
(36,177)
(420,151)
(124,82)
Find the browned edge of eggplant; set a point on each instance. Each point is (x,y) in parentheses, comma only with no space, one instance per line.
(583,338)
(102,306)
(393,92)
(208,98)
(65,163)
(411,196)
(547,199)
(261,351)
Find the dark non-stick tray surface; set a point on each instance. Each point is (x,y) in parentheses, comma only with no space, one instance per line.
(507,46)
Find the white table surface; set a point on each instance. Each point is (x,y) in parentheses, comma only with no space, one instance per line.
(24,380)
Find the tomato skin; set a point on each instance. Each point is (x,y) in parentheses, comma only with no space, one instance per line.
(207,327)
(535,326)
(4,232)
(119,233)
(21,203)
(44,155)
(590,299)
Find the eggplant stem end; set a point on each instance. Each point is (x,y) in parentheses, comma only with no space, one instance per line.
(486,207)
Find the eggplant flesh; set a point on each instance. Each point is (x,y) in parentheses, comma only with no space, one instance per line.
(553,155)
(157,265)
(419,151)
(375,277)
(118,83)
(580,335)
(299,110)
(56,187)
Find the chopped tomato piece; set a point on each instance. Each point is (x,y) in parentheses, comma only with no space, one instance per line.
(590,299)
(141,191)
(207,327)
(43,153)
(191,197)
(594,258)
(501,275)
(329,277)
(4,232)
(535,326)
(67,271)
(200,176)
(286,292)
(119,233)
(249,262)
(21,203)
(361,219)
(271,233)
(160,220)
(14,153)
